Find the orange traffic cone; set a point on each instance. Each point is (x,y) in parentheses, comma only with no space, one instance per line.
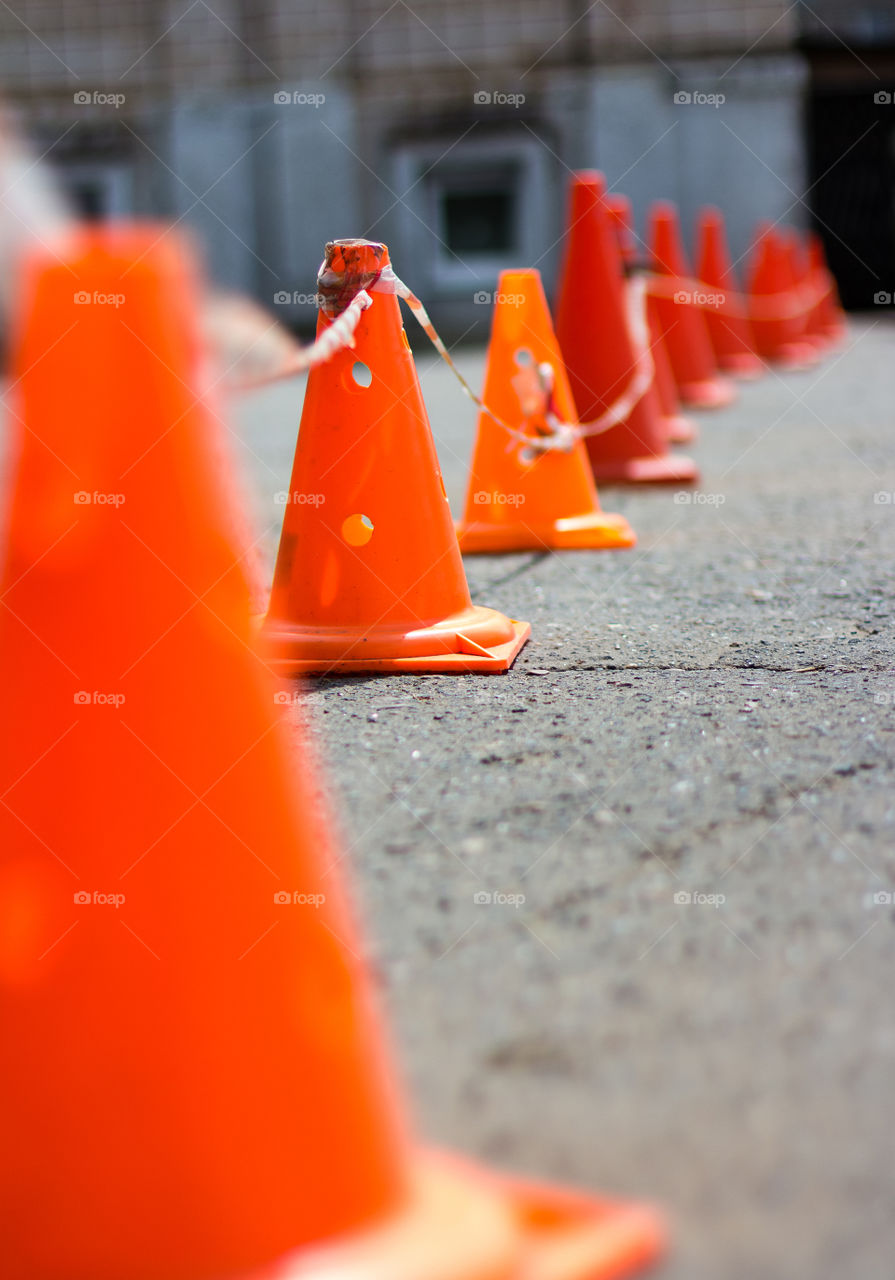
(778,321)
(592,325)
(828,317)
(681,318)
(369,575)
(166,1103)
(520,498)
(680,430)
(199,1088)
(728,328)
(799,276)
(618,206)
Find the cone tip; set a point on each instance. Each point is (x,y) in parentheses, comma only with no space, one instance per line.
(356,248)
(710,216)
(517,279)
(663,211)
(591,179)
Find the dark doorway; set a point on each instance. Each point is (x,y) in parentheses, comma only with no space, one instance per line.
(851,148)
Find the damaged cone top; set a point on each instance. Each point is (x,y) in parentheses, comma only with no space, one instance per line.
(369,577)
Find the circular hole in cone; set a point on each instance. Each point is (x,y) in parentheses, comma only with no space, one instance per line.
(523,357)
(361,373)
(357,530)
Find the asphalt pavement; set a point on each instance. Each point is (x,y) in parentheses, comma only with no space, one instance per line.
(630,905)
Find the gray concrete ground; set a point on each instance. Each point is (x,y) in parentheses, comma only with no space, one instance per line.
(709,714)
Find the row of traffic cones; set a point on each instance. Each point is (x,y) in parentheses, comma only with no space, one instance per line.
(697,334)
(369,577)
(199,1087)
(196,1085)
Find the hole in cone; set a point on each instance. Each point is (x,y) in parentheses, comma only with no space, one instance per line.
(361,373)
(357,530)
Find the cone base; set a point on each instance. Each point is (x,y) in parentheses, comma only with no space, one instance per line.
(819,341)
(835,335)
(796,356)
(710,393)
(670,469)
(680,429)
(462,1222)
(598,530)
(742,365)
(457,644)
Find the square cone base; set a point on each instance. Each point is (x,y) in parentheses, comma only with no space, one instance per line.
(796,356)
(296,656)
(680,430)
(597,530)
(712,393)
(464,1222)
(669,469)
(742,365)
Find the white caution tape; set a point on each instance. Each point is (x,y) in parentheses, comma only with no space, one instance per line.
(560,435)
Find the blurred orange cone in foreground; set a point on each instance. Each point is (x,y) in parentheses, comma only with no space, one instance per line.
(601,356)
(728,330)
(520,498)
(369,575)
(168,1112)
(682,319)
(776,311)
(196,1087)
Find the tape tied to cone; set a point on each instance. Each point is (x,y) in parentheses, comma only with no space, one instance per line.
(788,304)
(343,295)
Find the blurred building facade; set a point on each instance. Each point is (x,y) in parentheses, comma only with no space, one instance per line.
(449,129)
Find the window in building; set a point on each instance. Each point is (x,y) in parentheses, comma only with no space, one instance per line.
(479,221)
